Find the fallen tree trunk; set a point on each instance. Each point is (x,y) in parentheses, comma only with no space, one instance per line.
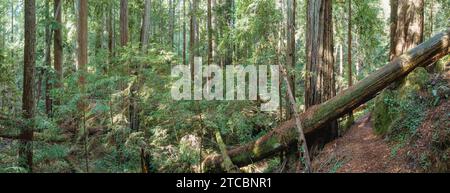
(285,135)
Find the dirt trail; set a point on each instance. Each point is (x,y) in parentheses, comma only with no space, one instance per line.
(359,151)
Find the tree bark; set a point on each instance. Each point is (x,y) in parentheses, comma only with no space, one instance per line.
(184,33)
(134,108)
(123,23)
(393,28)
(210,32)
(193,47)
(229,9)
(145,26)
(320,83)
(350,118)
(28,107)
(290,54)
(58,45)
(48,45)
(213,30)
(349,44)
(408,18)
(171,22)
(320,115)
(110,30)
(82,62)
(82,42)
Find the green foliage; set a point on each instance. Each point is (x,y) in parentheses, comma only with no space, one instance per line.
(177,134)
(397,110)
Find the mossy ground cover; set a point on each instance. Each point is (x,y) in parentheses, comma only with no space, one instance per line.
(415,119)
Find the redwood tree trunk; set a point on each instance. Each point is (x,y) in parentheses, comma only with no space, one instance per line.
(349,44)
(229,9)
(193,47)
(134,108)
(408,18)
(82,42)
(210,48)
(320,83)
(110,30)
(82,62)
(123,22)
(184,33)
(145,26)
(350,118)
(58,44)
(28,107)
(290,53)
(171,22)
(48,45)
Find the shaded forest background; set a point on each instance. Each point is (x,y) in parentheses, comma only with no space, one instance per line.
(85,85)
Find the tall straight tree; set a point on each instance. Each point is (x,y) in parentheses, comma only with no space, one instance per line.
(229,17)
(47,60)
(320,83)
(82,62)
(110,29)
(134,108)
(290,52)
(184,33)
(58,44)
(12,28)
(82,41)
(28,107)
(123,23)
(349,44)
(210,31)
(407,26)
(349,55)
(171,22)
(145,25)
(193,39)
(213,31)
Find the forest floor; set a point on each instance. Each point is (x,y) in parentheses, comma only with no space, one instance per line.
(359,151)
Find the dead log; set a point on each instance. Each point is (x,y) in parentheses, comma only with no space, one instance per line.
(286,135)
